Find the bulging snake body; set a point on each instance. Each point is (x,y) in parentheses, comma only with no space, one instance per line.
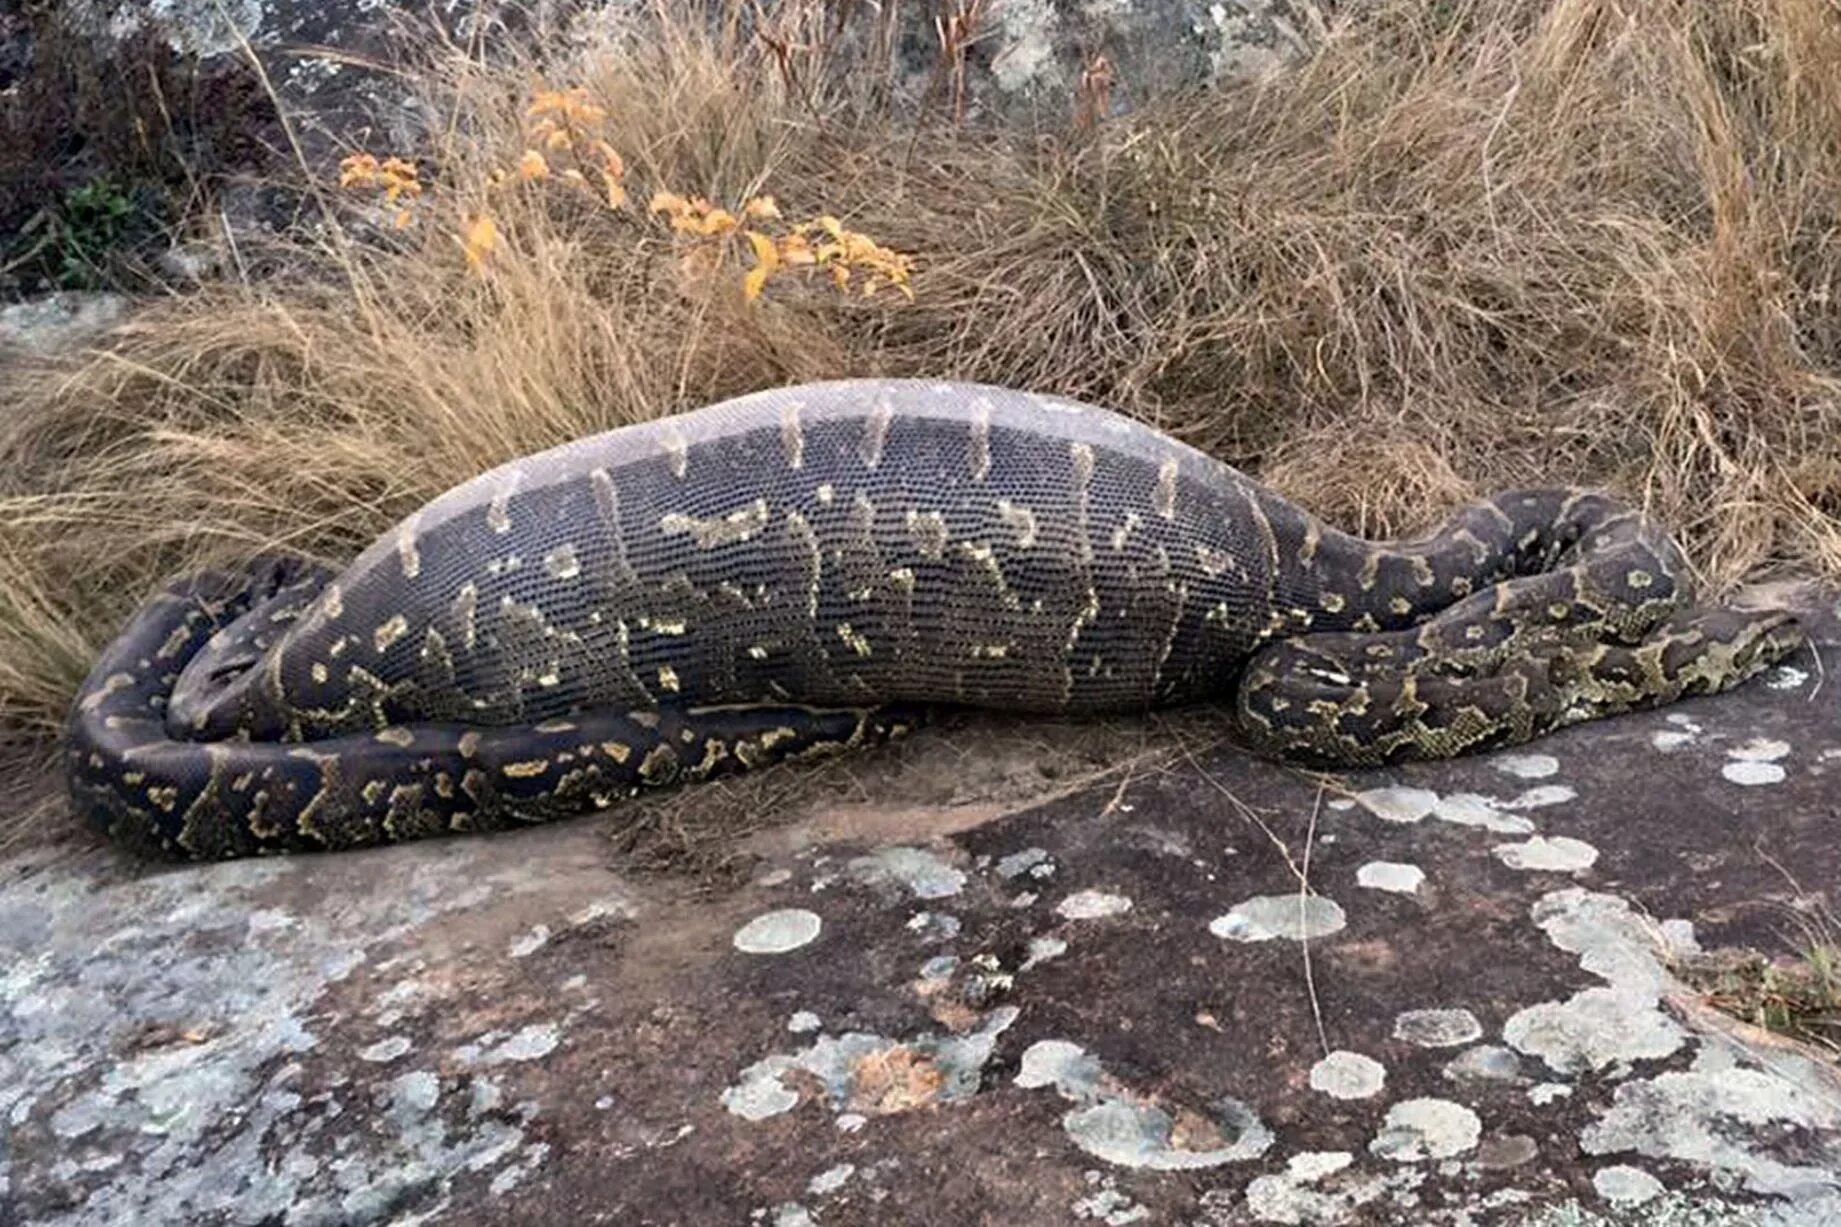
(808,568)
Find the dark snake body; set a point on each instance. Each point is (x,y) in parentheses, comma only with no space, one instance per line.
(804,569)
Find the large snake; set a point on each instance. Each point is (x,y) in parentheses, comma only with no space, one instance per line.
(808,568)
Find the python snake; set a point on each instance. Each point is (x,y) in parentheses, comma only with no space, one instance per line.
(809,568)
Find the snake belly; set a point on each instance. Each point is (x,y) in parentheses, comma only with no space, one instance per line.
(806,569)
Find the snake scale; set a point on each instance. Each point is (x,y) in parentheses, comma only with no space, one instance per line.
(809,568)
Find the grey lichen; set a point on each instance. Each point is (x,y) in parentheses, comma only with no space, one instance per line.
(1131,1130)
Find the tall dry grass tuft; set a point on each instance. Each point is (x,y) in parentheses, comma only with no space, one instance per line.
(1465,245)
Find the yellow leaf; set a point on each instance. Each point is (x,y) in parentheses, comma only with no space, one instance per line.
(832,226)
(533,166)
(481,238)
(574,176)
(840,273)
(765,253)
(616,194)
(753,282)
(403,219)
(559,139)
(761,206)
(719,221)
(668,202)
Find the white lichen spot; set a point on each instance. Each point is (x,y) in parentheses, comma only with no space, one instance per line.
(1785,677)
(1757,763)
(1528,766)
(1468,809)
(1288,1198)
(1541,796)
(1392,876)
(1437,1028)
(802,1021)
(1724,1116)
(1749,773)
(527,1044)
(792,1214)
(1041,950)
(1293,917)
(934,926)
(531,942)
(1623,1185)
(1123,1127)
(760,1093)
(1017,864)
(1092,905)
(924,874)
(386,1049)
(1398,804)
(830,1180)
(850,1122)
(778,932)
(1598,1028)
(1558,854)
(1544,1093)
(414,1094)
(1348,1075)
(1110,1207)
(1419,1129)
(1685,732)
(1484,1063)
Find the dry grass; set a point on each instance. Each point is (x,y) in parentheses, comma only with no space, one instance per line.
(1468,244)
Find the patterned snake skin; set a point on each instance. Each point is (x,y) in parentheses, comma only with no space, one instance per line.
(809,568)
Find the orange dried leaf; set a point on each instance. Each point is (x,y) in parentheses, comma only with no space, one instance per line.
(610,160)
(481,238)
(545,101)
(402,219)
(533,166)
(761,207)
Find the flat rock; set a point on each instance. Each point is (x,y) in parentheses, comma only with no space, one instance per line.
(510,1029)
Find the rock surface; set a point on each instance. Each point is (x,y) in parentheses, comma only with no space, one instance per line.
(1023,58)
(943,1014)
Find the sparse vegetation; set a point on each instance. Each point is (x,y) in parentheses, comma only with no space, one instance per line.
(106,149)
(1519,240)
(1798,996)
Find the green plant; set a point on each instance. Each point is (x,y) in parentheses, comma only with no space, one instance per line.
(88,224)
